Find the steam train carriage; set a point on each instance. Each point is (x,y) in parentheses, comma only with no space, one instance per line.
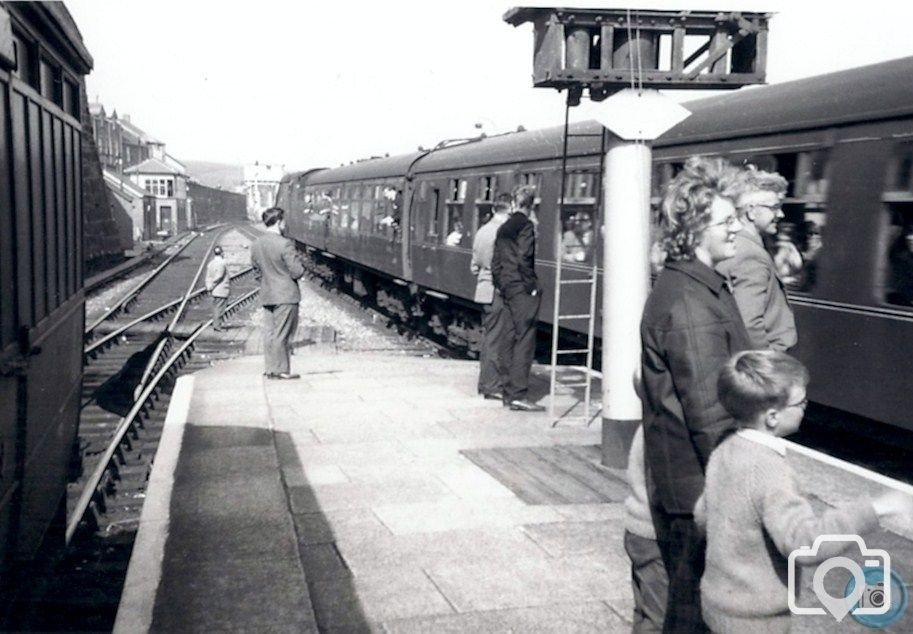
(42,64)
(844,141)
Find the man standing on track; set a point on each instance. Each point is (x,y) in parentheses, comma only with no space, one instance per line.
(493,313)
(277,267)
(513,270)
(218,283)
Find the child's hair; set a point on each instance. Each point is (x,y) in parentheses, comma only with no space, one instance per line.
(754,381)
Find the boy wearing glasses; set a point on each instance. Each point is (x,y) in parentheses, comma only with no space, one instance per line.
(757,288)
(752,512)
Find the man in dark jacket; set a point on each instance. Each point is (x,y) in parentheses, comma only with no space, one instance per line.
(513,271)
(277,267)
(691,326)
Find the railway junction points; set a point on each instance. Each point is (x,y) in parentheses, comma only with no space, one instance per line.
(381,493)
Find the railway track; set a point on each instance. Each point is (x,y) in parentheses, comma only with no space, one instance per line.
(131,362)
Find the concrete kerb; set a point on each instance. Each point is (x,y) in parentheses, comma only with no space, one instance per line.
(134,614)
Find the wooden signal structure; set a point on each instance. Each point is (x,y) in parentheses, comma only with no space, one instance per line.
(606,50)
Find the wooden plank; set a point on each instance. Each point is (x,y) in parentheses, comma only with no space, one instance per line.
(587,474)
(552,474)
(493,463)
(549,475)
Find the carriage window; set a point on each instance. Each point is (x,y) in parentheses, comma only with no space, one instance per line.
(435,216)
(898,196)
(26,53)
(455,234)
(899,287)
(485,200)
(578,236)
(796,249)
(580,189)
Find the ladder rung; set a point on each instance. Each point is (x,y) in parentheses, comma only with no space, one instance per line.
(584,384)
(585,316)
(593,135)
(588,280)
(580,351)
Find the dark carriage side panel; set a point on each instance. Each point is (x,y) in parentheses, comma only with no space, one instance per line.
(39,237)
(70,209)
(22,208)
(8,312)
(8,323)
(50,211)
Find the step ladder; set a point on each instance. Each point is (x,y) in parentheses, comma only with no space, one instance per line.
(562,280)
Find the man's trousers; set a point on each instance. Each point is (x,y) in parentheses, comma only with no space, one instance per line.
(218,310)
(518,344)
(494,316)
(279,325)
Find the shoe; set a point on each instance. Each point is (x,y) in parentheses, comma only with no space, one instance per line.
(523,405)
(285,376)
(492,396)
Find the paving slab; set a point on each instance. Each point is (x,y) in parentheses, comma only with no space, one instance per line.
(569,617)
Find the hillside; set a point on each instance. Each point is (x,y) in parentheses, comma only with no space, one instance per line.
(224,175)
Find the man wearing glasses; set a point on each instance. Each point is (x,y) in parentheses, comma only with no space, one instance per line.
(757,288)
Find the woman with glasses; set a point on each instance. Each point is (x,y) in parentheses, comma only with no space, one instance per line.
(691,326)
(758,289)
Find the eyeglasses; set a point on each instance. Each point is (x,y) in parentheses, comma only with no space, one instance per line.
(801,404)
(730,222)
(774,208)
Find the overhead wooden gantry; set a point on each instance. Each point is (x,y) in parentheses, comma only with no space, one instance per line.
(605,50)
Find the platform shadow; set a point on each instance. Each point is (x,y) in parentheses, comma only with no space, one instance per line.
(244,522)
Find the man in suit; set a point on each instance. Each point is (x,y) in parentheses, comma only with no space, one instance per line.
(493,314)
(756,286)
(277,267)
(513,270)
(218,283)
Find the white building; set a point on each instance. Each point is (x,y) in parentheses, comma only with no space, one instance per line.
(261,184)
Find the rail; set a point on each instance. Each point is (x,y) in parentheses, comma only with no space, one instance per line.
(168,369)
(134,292)
(167,336)
(98,344)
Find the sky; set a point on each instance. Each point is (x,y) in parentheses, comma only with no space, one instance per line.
(308,84)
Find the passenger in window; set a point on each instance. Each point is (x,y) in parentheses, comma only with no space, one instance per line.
(455,237)
(787,257)
(577,239)
(901,258)
(395,197)
(813,244)
(757,288)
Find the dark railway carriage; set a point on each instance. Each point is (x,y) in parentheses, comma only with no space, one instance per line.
(42,64)
(844,141)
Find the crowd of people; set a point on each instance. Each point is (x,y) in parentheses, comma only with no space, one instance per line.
(719,391)
(714,510)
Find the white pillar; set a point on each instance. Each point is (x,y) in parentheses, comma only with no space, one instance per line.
(625,286)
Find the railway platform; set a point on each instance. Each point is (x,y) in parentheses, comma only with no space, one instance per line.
(380,493)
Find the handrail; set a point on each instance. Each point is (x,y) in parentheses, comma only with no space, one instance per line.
(127,421)
(136,289)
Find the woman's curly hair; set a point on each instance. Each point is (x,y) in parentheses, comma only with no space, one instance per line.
(685,209)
